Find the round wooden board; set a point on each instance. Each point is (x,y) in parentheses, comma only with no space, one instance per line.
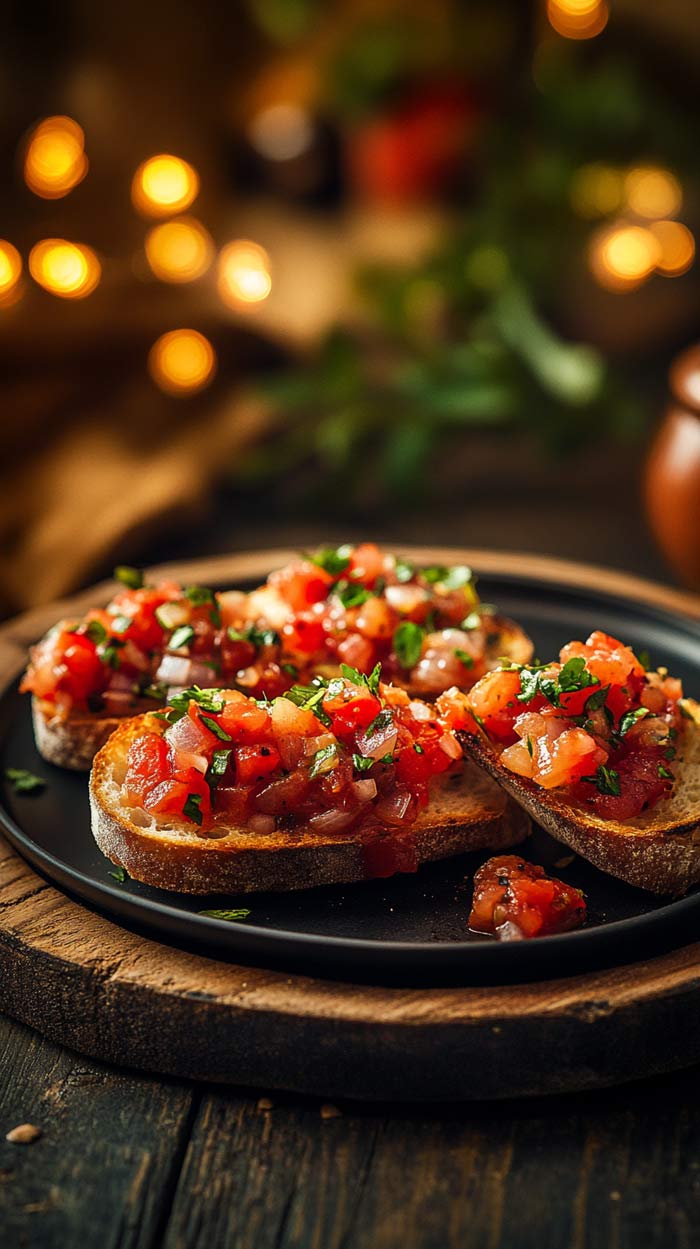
(112,994)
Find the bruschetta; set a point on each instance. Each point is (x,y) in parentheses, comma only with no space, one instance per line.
(352,605)
(602,753)
(342,780)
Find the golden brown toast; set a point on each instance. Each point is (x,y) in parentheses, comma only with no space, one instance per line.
(658,851)
(467,811)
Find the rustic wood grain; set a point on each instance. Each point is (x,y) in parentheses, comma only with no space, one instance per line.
(106,1164)
(84,981)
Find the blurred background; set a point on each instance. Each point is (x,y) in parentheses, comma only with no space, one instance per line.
(280,271)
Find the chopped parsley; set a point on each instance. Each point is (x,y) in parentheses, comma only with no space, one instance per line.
(256,637)
(351,593)
(595,701)
(240,913)
(131,577)
(606,781)
(464,657)
(109,654)
(218,765)
(630,718)
(215,728)
(290,669)
(192,808)
(665,774)
(310,697)
(383,721)
(96,631)
(644,660)
(181,637)
(418,748)
(362,763)
(408,643)
(529,746)
(333,560)
(120,874)
(202,596)
(24,782)
(206,700)
(359,678)
(324,761)
(573,676)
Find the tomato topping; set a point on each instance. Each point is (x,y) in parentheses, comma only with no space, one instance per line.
(254,763)
(364,762)
(595,725)
(515,899)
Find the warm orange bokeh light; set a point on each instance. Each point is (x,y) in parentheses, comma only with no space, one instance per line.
(55,160)
(179,251)
(243,273)
(164,185)
(10,273)
(653,193)
(622,257)
(70,270)
(182,362)
(578,19)
(676,247)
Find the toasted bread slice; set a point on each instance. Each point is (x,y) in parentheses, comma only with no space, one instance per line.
(467,812)
(658,851)
(73,741)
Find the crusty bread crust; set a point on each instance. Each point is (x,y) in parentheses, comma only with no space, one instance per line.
(467,812)
(70,742)
(658,851)
(73,741)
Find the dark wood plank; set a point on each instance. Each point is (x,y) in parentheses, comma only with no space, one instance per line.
(104,1169)
(619,1169)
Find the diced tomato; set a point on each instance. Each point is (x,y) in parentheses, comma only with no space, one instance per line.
(352,709)
(454,710)
(84,667)
(515,898)
(304,635)
(244,721)
(301,584)
(366,563)
(254,763)
(149,761)
(495,703)
(357,651)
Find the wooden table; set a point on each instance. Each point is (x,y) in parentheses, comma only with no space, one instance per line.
(126,1160)
(130,1160)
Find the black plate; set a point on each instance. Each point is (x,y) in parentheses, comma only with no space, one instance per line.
(411,929)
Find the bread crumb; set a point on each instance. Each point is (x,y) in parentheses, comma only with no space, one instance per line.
(615,1195)
(265,1103)
(24,1134)
(330,1112)
(566,861)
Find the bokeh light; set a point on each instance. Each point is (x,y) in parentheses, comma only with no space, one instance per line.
(182,362)
(653,193)
(70,270)
(281,132)
(243,273)
(164,185)
(623,256)
(10,273)
(676,247)
(180,250)
(596,190)
(55,160)
(578,19)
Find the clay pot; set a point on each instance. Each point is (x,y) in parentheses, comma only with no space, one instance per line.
(672,474)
